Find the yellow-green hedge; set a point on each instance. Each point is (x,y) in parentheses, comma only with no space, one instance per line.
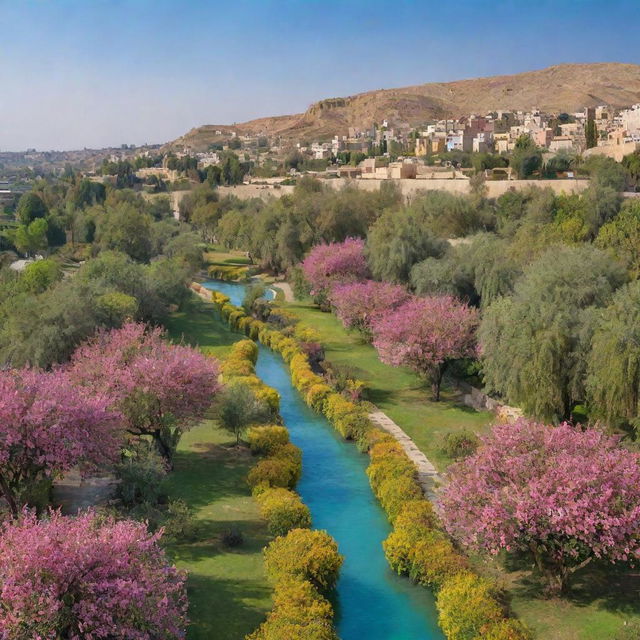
(283,510)
(265,440)
(304,553)
(299,612)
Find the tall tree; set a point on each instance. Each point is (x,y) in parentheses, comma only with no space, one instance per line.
(534,344)
(613,382)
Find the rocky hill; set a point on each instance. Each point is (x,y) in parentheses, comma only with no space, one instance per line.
(566,87)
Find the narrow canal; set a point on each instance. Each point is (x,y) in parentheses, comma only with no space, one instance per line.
(371,602)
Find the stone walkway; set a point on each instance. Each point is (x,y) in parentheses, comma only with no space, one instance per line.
(428,477)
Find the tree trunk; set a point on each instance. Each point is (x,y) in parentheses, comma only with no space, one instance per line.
(163,448)
(436,382)
(9,497)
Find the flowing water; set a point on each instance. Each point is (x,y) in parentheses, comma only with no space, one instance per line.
(371,602)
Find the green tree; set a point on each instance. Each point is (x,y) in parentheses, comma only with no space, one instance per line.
(239,408)
(613,382)
(591,133)
(32,237)
(621,236)
(128,229)
(30,207)
(535,343)
(40,275)
(396,242)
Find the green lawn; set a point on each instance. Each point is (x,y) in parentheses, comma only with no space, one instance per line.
(228,592)
(602,599)
(401,394)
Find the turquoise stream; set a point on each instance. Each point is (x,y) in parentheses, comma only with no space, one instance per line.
(371,602)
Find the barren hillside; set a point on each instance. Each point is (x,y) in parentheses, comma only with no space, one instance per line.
(566,87)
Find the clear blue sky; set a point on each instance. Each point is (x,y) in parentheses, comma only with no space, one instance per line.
(76,73)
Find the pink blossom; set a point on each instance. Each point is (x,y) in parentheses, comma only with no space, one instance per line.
(87,578)
(564,493)
(425,334)
(48,425)
(160,388)
(360,304)
(337,262)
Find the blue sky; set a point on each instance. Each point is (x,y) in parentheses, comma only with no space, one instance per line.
(76,73)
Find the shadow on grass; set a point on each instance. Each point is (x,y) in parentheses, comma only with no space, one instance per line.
(194,481)
(615,588)
(212,599)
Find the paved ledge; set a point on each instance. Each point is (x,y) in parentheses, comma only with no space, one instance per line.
(428,477)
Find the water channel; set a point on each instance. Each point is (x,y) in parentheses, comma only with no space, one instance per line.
(371,602)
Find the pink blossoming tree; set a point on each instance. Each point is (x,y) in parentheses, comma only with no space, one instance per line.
(360,304)
(564,494)
(47,426)
(426,334)
(334,263)
(86,578)
(160,388)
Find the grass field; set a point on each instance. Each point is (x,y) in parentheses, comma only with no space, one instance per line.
(228,592)
(602,598)
(401,394)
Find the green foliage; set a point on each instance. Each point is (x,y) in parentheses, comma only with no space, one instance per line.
(239,407)
(467,606)
(613,382)
(283,510)
(535,342)
(267,440)
(621,236)
(396,242)
(306,554)
(30,208)
(40,275)
(459,444)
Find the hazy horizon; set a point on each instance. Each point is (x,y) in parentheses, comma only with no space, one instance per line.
(117,72)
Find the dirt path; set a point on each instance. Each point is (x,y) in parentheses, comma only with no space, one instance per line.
(286,289)
(428,477)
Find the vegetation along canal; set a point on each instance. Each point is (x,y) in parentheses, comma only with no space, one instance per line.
(371,601)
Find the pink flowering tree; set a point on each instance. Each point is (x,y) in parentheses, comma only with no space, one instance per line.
(334,263)
(426,334)
(47,426)
(359,304)
(87,577)
(160,388)
(563,494)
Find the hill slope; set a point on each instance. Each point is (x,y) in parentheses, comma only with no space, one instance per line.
(566,87)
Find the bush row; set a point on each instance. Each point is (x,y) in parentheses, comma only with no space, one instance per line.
(228,272)
(302,564)
(469,606)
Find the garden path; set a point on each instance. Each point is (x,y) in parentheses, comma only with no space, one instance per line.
(428,477)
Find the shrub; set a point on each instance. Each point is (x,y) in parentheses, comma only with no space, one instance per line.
(459,444)
(304,553)
(274,472)
(299,613)
(233,367)
(141,477)
(266,440)
(511,629)
(246,350)
(317,395)
(467,606)
(283,510)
